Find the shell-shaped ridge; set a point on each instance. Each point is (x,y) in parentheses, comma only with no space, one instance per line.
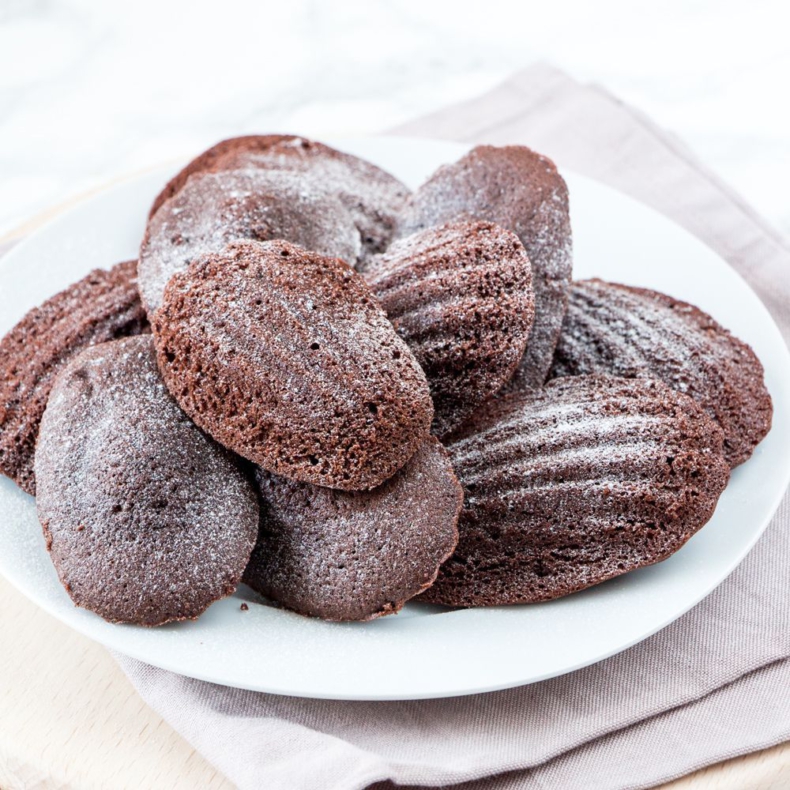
(103,306)
(461,297)
(636,332)
(285,357)
(521,191)
(570,485)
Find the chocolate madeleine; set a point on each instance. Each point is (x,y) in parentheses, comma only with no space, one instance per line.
(461,297)
(103,306)
(147,520)
(343,555)
(215,208)
(523,192)
(636,332)
(372,196)
(285,357)
(585,479)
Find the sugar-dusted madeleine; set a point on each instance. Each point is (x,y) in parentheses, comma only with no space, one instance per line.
(103,305)
(372,196)
(461,297)
(522,191)
(624,331)
(356,555)
(286,357)
(215,208)
(147,520)
(566,486)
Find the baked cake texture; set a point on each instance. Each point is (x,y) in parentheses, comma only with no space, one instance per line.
(215,158)
(373,197)
(343,555)
(285,357)
(636,332)
(215,208)
(461,297)
(566,486)
(523,192)
(146,519)
(102,306)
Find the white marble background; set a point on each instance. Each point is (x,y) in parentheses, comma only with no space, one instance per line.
(92,89)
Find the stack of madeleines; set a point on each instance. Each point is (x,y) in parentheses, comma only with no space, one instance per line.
(347,395)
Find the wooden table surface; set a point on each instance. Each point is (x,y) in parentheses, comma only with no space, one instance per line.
(69,718)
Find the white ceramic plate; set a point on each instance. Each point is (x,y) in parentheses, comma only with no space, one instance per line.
(423,651)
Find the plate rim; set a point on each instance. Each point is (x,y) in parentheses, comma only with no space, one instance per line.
(82,627)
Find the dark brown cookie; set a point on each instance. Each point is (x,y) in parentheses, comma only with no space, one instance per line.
(523,192)
(102,306)
(213,209)
(635,332)
(146,519)
(214,159)
(343,555)
(286,357)
(461,297)
(373,196)
(575,483)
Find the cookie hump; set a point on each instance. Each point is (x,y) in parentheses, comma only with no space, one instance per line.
(461,297)
(636,332)
(343,555)
(215,158)
(285,357)
(523,192)
(103,306)
(146,519)
(585,479)
(373,197)
(215,208)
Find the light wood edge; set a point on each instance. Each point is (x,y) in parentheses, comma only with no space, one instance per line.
(69,717)
(768,769)
(42,217)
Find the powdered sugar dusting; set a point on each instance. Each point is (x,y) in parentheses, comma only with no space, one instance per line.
(373,197)
(633,332)
(577,426)
(461,297)
(353,556)
(213,209)
(102,306)
(148,520)
(286,357)
(521,191)
(585,479)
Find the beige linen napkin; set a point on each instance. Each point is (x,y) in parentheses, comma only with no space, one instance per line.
(713,685)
